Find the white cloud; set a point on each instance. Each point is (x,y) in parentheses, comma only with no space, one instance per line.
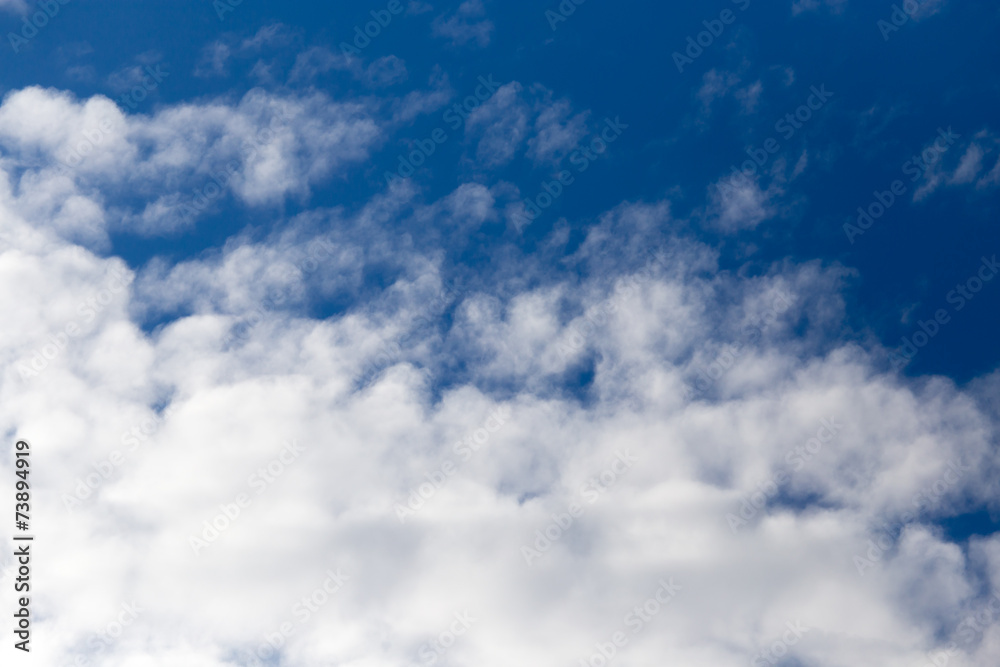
(969,167)
(418,102)
(715,85)
(749,97)
(960,167)
(515,117)
(267,148)
(467,24)
(927,8)
(386,71)
(217,56)
(271,36)
(214,60)
(501,125)
(557,131)
(364,451)
(641,315)
(738,202)
(316,61)
(465,209)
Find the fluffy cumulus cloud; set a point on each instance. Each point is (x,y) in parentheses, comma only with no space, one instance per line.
(516,118)
(738,202)
(81,167)
(639,454)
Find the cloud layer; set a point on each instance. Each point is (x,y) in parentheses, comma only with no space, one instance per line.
(409,429)
(247,456)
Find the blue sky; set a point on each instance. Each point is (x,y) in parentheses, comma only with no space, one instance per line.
(890,98)
(627,225)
